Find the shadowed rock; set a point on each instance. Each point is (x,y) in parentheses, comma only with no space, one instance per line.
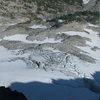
(8,94)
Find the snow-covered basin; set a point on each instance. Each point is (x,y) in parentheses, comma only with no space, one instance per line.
(37,84)
(17,71)
(22,37)
(10,69)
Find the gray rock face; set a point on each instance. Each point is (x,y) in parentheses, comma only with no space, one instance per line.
(90,4)
(40,12)
(93,5)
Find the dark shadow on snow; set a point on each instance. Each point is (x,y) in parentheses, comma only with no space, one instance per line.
(74,89)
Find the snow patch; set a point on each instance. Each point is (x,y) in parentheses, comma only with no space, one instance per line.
(52,49)
(12,24)
(0,39)
(38,27)
(16,37)
(20,37)
(85,1)
(60,21)
(47,40)
(88,33)
(95,39)
(71,33)
(92,25)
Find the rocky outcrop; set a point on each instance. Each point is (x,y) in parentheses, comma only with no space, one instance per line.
(8,94)
(37,10)
(93,5)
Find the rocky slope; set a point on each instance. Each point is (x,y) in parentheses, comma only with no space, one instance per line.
(43,10)
(36,10)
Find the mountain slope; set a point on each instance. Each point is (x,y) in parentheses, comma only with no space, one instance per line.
(49,49)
